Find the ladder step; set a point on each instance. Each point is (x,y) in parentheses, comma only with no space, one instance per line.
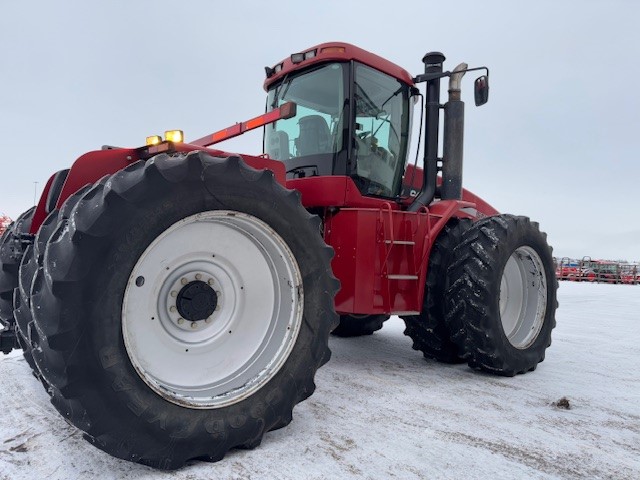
(402,277)
(400,242)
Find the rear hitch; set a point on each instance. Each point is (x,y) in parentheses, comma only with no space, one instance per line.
(8,340)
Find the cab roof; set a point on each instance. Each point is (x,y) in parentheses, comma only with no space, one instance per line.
(337,52)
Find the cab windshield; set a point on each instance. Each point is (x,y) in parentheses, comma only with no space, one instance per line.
(364,134)
(309,142)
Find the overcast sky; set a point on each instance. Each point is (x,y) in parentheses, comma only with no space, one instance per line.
(558,140)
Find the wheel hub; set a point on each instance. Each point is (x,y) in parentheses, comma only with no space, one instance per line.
(196,301)
(207,323)
(191,299)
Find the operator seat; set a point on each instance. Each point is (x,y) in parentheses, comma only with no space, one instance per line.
(314,137)
(278,147)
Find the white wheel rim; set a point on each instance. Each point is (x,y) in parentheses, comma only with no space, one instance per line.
(218,361)
(523,297)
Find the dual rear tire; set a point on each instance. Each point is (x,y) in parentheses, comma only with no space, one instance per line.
(490,297)
(501,299)
(183,309)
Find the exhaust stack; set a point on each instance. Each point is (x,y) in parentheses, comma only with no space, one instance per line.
(432,68)
(452,154)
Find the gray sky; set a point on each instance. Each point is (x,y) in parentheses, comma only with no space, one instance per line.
(558,140)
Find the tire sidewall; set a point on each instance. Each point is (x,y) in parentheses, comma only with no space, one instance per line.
(116,388)
(523,236)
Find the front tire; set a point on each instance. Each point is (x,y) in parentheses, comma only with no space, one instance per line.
(501,301)
(136,258)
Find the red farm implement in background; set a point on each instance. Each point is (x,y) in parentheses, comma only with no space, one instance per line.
(176,300)
(567,269)
(5,221)
(630,273)
(600,271)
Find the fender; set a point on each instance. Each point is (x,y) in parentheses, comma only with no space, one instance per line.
(92,166)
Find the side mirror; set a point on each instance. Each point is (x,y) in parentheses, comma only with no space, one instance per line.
(481,90)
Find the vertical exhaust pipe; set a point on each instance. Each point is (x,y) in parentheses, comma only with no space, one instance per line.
(432,65)
(452,154)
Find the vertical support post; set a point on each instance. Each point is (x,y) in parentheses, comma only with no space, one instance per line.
(432,65)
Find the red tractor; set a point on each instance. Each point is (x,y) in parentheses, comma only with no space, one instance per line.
(176,300)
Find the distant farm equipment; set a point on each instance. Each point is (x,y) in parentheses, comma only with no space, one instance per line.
(5,221)
(599,271)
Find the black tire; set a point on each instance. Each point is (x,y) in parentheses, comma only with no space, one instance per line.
(11,252)
(87,266)
(359,325)
(511,249)
(429,330)
(32,260)
(21,310)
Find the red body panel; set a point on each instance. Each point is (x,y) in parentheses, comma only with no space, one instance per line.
(381,250)
(336,191)
(381,255)
(349,52)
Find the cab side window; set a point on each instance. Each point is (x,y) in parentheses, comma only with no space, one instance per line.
(381,114)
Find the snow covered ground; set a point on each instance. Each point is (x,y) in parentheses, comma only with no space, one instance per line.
(382,411)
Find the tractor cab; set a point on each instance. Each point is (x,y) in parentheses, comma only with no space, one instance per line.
(351,118)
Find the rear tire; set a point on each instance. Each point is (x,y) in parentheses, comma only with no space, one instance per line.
(359,325)
(11,252)
(501,301)
(429,330)
(96,341)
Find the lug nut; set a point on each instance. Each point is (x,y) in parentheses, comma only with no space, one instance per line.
(208,320)
(198,276)
(180,321)
(174,293)
(172,308)
(210,281)
(194,324)
(184,281)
